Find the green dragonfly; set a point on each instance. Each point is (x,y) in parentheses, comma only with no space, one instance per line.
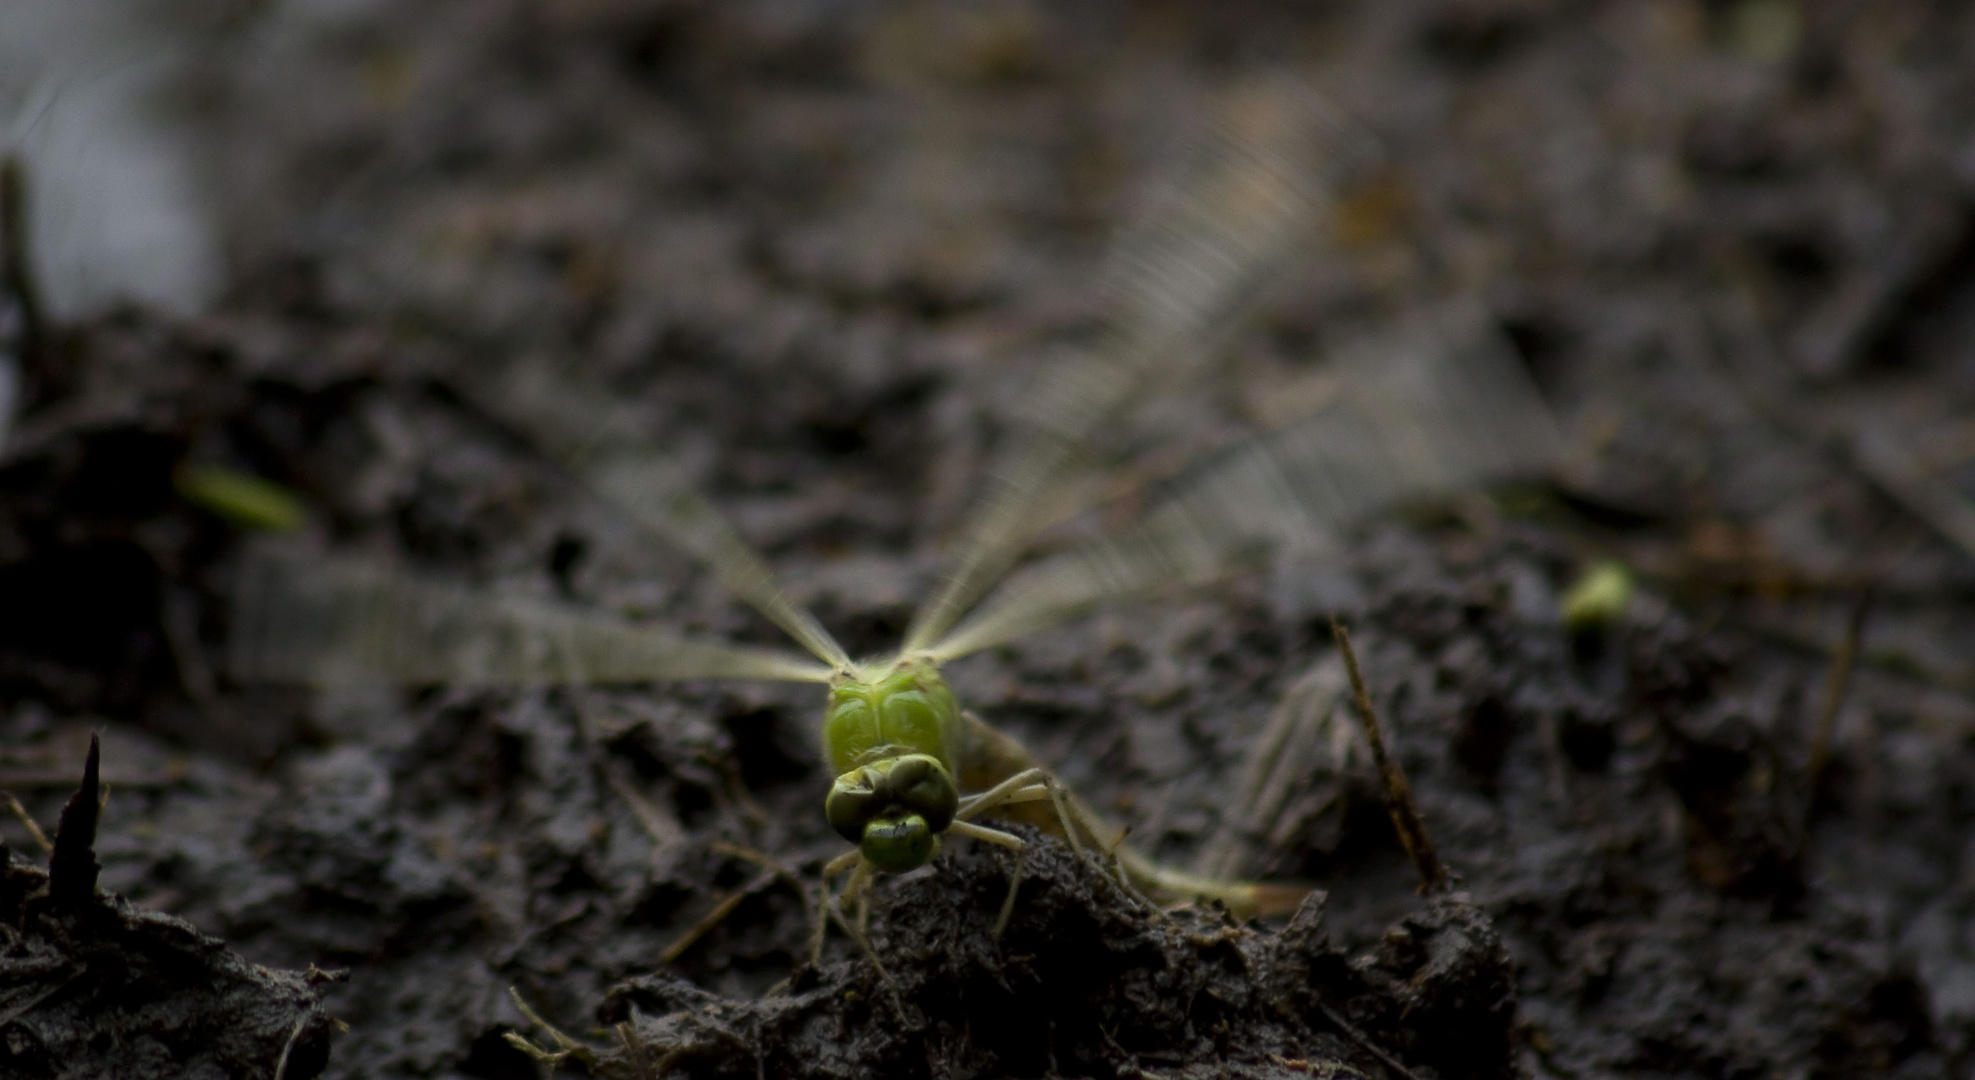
(1434,406)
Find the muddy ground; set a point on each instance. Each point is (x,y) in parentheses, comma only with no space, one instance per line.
(822,247)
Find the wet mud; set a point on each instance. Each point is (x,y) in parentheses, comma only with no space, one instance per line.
(96,986)
(1086,980)
(822,254)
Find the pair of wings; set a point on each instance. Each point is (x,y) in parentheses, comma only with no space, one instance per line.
(1435,406)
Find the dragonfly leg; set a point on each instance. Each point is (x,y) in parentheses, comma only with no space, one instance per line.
(981,832)
(831,869)
(1116,853)
(1035,785)
(1002,794)
(841,863)
(1007,840)
(860,876)
(1014,883)
(855,896)
(1029,785)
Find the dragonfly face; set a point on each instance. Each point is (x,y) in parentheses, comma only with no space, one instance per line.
(891,738)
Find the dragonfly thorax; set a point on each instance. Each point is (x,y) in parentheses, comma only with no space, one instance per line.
(890,736)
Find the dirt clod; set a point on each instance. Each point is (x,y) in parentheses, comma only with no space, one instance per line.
(1086,981)
(94,986)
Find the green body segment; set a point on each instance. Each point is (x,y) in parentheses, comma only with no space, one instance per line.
(905,710)
(901,749)
(892,741)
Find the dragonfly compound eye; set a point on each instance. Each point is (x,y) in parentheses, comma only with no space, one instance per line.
(898,841)
(922,785)
(853,802)
(894,809)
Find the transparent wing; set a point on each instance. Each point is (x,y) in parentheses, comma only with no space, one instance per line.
(1438,406)
(341,623)
(1239,201)
(588,432)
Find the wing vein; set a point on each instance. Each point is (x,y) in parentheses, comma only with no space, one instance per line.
(1437,406)
(594,437)
(339,622)
(1244,193)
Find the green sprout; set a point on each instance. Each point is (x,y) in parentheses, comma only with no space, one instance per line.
(244,500)
(1599,596)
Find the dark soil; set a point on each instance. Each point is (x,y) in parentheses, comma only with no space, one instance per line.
(94,986)
(1083,982)
(822,247)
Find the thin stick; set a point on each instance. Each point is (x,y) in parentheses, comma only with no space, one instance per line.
(21,1008)
(634,1047)
(1398,794)
(565,1047)
(33,827)
(661,826)
(281,1063)
(767,862)
(714,917)
(1837,684)
(1363,1040)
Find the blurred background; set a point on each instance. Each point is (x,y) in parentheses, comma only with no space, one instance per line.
(821,247)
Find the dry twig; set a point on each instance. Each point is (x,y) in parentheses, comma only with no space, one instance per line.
(33,827)
(717,915)
(1364,1041)
(1398,794)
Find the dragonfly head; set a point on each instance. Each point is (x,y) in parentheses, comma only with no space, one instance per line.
(894,809)
(890,732)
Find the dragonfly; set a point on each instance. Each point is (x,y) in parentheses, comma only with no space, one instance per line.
(1435,405)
